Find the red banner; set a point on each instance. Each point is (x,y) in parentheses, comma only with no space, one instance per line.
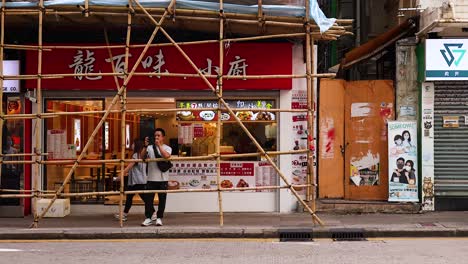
(239,59)
(237,169)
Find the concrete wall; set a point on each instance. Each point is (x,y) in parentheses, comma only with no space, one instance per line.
(406,80)
(438,9)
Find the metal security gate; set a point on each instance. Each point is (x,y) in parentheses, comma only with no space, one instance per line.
(450,144)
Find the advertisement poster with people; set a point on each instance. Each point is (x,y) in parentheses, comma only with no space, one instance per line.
(402,162)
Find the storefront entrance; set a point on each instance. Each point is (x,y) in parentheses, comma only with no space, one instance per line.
(451,145)
(189,132)
(353,139)
(65,137)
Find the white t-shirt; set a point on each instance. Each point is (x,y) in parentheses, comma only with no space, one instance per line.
(154,173)
(138,172)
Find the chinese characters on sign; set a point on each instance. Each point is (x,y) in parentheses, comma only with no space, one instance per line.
(90,65)
(251,104)
(83,62)
(203,174)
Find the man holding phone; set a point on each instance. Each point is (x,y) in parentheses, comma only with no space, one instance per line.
(157,180)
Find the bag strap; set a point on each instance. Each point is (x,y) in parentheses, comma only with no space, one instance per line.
(156,152)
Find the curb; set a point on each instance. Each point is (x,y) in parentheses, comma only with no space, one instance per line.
(192,233)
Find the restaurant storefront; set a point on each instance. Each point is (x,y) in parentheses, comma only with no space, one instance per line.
(189,131)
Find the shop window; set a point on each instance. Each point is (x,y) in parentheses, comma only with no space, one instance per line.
(12,143)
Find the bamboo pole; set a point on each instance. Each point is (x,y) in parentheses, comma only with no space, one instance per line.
(115,193)
(234,189)
(124,108)
(218,124)
(104,117)
(23,154)
(311,108)
(263,21)
(86,11)
(238,39)
(310,114)
(37,125)
(123,133)
(194,158)
(112,11)
(142,110)
(103,74)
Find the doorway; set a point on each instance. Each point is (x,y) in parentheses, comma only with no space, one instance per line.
(353,138)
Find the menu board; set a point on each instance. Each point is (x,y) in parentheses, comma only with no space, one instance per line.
(203,174)
(256,110)
(57,147)
(185,134)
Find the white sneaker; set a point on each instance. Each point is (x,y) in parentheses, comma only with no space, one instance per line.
(159,222)
(147,222)
(124,217)
(154,217)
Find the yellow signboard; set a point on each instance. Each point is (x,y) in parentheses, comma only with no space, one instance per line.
(451,121)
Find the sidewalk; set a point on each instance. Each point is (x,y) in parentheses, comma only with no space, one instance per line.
(97,222)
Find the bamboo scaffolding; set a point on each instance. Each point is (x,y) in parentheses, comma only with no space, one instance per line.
(121,89)
(268,158)
(259,19)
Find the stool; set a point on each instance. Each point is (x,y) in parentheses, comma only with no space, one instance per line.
(82,186)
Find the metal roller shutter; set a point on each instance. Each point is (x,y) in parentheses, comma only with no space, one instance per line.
(451,144)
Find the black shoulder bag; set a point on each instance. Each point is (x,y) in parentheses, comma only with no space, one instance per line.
(163,165)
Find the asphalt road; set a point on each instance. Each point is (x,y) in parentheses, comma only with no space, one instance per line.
(398,250)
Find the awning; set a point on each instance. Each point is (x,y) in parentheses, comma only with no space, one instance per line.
(376,45)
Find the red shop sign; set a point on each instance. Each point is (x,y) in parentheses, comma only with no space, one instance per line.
(239,59)
(237,169)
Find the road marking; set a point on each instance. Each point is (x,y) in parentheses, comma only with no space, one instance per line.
(10,250)
(266,240)
(417,238)
(145,240)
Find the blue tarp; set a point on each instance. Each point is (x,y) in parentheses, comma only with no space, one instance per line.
(274,10)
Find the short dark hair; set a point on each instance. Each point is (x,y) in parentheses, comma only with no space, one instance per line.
(397,137)
(160,130)
(400,158)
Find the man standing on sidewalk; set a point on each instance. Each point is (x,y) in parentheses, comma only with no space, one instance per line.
(157,180)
